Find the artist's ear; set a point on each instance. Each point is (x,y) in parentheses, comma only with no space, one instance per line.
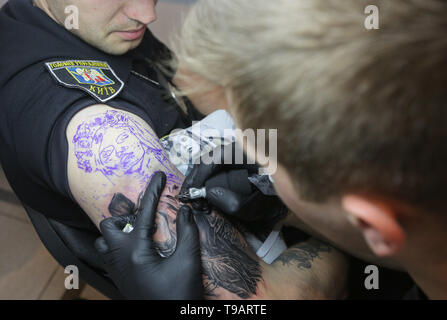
(378,222)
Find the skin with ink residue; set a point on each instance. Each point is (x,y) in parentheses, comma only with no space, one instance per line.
(120,205)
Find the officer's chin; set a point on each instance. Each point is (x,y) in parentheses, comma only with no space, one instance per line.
(121,47)
(115,45)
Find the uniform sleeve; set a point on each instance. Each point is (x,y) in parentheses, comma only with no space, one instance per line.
(35,105)
(30,106)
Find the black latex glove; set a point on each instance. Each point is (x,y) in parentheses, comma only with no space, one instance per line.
(229,189)
(133,263)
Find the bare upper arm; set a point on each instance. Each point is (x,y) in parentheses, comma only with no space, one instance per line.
(112,155)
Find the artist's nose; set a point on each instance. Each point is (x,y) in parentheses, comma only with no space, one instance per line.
(142,11)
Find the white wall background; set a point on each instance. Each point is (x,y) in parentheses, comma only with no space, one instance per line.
(169,14)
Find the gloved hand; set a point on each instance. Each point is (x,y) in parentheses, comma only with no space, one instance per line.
(229,190)
(132,262)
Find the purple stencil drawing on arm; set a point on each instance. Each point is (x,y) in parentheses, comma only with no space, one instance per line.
(127,151)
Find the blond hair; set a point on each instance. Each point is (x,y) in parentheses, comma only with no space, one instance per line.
(356,109)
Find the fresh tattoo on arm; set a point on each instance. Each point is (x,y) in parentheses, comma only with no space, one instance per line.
(227,262)
(123,154)
(226,258)
(302,255)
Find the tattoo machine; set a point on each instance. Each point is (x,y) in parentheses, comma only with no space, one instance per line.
(192,194)
(236,181)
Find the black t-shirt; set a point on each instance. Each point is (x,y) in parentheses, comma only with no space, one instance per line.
(47,75)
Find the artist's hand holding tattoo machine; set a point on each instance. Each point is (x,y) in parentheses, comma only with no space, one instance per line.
(132,261)
(230,188)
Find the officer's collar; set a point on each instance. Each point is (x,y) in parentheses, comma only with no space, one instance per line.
(55,42)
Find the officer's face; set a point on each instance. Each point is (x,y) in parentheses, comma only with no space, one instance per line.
(113,26)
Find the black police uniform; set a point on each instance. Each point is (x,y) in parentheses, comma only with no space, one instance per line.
(47,74)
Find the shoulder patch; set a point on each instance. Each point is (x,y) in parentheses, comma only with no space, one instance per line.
(95,77)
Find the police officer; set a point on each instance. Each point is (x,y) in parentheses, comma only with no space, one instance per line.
(48,73)
(50,70)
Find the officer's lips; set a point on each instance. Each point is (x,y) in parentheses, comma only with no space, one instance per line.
(132,34)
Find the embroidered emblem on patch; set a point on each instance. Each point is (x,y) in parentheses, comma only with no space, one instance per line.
(94,77)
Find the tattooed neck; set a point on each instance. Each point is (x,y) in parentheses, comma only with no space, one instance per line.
(302,255)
